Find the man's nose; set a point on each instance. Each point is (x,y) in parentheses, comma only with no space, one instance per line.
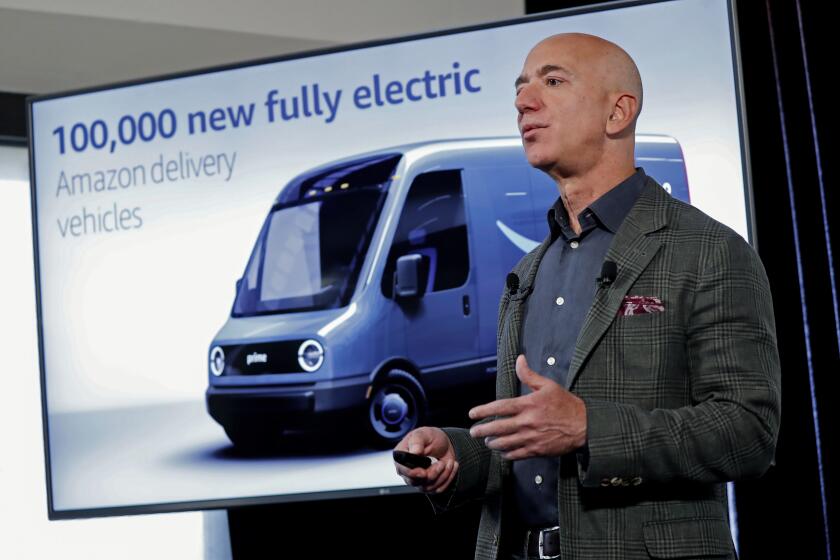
(526,99)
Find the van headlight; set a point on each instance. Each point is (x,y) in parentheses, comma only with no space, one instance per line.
(217,361)
(310,355)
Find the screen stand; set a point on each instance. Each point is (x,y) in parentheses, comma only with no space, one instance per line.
(216,535)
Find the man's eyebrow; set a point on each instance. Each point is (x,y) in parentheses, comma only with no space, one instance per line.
(542,72)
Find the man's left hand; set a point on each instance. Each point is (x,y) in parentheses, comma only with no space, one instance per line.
(549,421)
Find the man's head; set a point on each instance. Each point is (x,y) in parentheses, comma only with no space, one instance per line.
(584,95)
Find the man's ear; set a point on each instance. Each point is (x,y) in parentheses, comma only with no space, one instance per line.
(622,114)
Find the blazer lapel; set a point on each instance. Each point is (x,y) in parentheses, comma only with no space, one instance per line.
(508,383)
(514,325)
(631,250)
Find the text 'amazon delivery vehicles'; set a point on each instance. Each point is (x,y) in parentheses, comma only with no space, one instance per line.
(288,356)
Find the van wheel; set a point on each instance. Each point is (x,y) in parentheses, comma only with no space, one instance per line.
(397,406)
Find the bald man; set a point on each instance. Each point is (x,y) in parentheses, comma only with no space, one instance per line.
(624,405)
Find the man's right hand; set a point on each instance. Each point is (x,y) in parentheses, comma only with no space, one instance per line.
(432,442)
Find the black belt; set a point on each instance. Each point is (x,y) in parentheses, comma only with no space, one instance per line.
(542,542)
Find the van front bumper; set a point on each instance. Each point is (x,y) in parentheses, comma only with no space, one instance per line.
(294,406)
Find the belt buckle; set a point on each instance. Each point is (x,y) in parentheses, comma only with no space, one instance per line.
(540,542)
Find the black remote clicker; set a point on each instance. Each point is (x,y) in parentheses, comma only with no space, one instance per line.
(411,460)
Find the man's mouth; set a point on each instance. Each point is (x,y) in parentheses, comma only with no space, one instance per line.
(530,130)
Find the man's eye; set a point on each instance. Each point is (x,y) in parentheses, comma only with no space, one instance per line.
(553,81)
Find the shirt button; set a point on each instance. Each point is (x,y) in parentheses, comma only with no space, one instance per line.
(550,361)
(574,244)
(538,479)
(559,300)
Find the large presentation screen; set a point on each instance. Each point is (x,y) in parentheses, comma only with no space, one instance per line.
(254,280)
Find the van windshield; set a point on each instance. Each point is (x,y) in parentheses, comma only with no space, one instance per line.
(312,246)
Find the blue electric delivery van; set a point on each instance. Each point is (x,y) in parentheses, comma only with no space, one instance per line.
(371,294)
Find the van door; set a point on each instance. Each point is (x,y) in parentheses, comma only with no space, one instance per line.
(441,326)
(500,208)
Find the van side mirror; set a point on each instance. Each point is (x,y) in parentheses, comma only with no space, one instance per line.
(411,276)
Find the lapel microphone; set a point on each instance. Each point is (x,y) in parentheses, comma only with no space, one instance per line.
(512,283)
(609,270)
(513,286)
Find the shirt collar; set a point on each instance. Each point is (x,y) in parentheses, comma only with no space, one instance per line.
(610,208)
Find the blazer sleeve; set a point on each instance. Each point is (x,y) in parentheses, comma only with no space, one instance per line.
(473,466)
(730,430)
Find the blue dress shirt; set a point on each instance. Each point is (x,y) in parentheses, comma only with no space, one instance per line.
(564,289)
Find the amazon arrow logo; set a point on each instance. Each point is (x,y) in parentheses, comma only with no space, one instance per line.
(523,243)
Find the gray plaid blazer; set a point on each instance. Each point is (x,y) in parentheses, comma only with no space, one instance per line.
(678,402)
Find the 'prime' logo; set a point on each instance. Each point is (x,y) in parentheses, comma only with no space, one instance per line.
(256,358)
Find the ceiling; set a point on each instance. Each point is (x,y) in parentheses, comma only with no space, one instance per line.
(52,45)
